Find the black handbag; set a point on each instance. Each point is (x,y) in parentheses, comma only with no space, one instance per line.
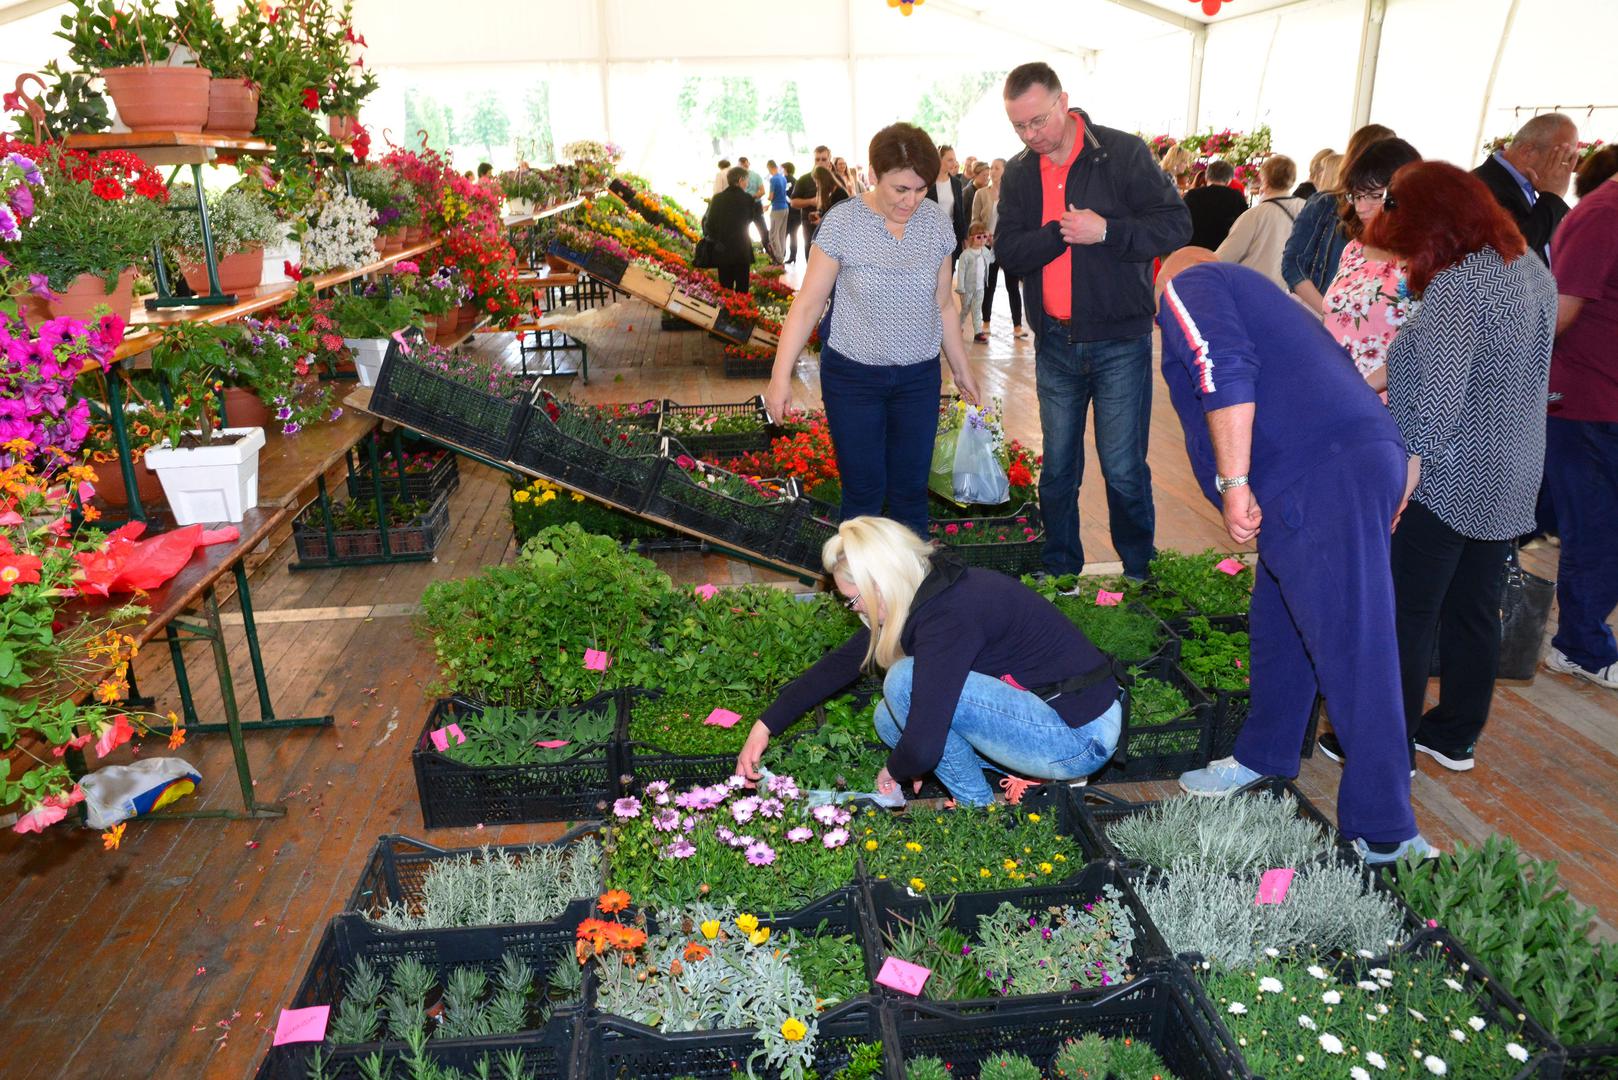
(1525,608)
(706,255)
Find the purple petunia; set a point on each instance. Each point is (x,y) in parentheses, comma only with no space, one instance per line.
(760,854)
(680,849)
(627,807)
(800,834)
(835,839)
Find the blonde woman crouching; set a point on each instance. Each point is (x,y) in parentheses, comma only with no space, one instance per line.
(958,644)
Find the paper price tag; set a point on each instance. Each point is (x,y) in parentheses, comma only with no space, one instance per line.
(551,744)
(903,976)
(442,735)
(723,718)
(1273,886)
(1108,599)
(596,660)
(1231,566)
(302,1025)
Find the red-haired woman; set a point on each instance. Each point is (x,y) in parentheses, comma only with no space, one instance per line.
(1467,386)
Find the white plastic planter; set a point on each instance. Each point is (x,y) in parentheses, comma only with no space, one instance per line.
(209,484)
(519,207)
(276,257)
(368,356)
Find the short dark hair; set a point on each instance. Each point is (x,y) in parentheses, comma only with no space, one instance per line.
(484,168)
(743,161)
(724,163)
(1597,169)
(1024,77)
(946,148)
(770,164)
(904,146)
(735,175)
(1372,168)
(1221,171)
(818,149)
(789,168)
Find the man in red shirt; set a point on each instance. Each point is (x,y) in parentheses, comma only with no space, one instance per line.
(1083,212)
(1581,437)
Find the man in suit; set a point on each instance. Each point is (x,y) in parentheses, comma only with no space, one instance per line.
(1529,178)
(949,192)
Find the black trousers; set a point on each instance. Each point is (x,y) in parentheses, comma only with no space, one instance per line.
(734,275)
(1446,588)
(1013,294)
(794,222)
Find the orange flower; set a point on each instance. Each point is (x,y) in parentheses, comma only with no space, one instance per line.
(613,900)
(696,951)
(113,837)
(592,928)
(176,738)
(624,937)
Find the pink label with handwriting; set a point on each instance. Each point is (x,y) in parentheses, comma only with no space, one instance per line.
(903,976)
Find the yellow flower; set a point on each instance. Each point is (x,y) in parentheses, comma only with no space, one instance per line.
(747,923)
(793,1030)
(549,496)
(984,871)
(1010,864)
(870,845)
(710,929)
(759,936)
(521,496)
(1033,817)
(917,884)
(577,497)
(1046,868)
(1061,858)
(912,846)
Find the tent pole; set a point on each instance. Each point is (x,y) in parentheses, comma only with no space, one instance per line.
(604,48)
(1193,101)
(1494,70)
(1376,12)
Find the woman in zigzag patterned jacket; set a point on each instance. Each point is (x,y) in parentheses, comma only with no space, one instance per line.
(1467,381)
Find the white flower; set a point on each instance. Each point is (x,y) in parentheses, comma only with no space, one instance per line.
(341,234)
(1305,1022)
(1330,1043)
(1270,985)
(1452,984)
(1385,983)
(1416,1014)
(1272,952)
(1366,984)
(1376,1059)
(1381,973)
(1517,1052)
(1381,1009)
(1318,972)
(1365,954)
(1477,1023)
(1236,1008)
(1331,997)
(1435,1065)
(1457,1034)
(1358,1073)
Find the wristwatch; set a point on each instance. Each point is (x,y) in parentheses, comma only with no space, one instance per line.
(1225,483)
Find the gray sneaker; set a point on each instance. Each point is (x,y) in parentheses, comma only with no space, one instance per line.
(1416,845)
(1560,661)
(1219,778)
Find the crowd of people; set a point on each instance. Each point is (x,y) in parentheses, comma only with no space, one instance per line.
(1389,377)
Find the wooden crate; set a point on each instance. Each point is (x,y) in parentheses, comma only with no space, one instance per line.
(654,290)
(692,309)
(763,340)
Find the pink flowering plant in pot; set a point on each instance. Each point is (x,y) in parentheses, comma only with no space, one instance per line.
(38,368)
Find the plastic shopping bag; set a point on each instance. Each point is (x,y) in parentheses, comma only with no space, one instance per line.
(978,475)
(118,792)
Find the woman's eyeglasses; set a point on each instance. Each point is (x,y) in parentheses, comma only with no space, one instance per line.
(852,602)
(1379,195)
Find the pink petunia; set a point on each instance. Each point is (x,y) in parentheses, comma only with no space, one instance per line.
(40,818)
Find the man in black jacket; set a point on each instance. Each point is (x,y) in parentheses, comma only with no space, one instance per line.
(1214,208)
(1083,213)
(1529,178)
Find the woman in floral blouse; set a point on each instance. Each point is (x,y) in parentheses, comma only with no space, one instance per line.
(1368,300)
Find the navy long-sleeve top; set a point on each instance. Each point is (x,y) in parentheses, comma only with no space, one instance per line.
(963,620)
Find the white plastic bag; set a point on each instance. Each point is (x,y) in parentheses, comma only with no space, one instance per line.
(119,792)
(978,475)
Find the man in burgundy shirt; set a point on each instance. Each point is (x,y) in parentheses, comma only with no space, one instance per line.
(1581,437)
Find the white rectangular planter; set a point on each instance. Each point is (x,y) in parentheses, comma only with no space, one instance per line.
(368,356)
(276,257)
(209,484)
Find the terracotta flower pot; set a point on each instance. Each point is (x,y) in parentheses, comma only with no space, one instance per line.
(244,408)
(342,128)
(395,241)
(110,485)
(416,234)
(160,98)
(88,292)
(232,108)
(237,273)
(468,316)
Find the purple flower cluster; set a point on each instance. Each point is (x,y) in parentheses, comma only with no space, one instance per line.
(727,810)
(37,369)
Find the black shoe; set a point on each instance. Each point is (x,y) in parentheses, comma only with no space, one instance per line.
(1453,760)
(1329,747)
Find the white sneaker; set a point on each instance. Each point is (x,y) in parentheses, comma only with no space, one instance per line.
(1557,660)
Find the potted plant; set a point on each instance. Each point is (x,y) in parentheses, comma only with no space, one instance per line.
(241,224)
(289,197)
(279,377)
(69,104)
(439,297)
(348,81)
(226,51)
(209,473)
(94,224)
(337,233)
(391,200)
(372,319)
(133,46)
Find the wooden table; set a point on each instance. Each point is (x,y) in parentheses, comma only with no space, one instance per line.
(195,587)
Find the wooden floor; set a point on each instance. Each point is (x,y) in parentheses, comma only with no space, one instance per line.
(171,956)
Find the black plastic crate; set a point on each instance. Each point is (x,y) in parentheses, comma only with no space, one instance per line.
(1592,1061)
(398,866)
(605,266)
(708,445)
(445,409)
(1097,810)
(1159,1007)
(623,479)
(640,762)
(453,794)
(1546,1060)
(732,327)
(542,1051)
(570,254)
(889,905)
(1230,707)
(748,367)
(613,1047)
(1016,556)
(442,479)
(806,532)
(755,527)
(349,937)
(419,536)
(1162,751)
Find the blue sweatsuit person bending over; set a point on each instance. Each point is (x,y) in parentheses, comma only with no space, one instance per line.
(1294,448)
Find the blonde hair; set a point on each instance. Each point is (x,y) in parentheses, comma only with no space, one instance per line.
(886,563)
(1330,166)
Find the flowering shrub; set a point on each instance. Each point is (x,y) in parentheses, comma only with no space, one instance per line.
(282,357)
(238,220)
(339,234)
(38,367)
(391,198)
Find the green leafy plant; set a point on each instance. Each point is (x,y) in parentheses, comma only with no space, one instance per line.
(926,1068)
(1008,1067)
(71,103)
(1198,583)
(494,888)
(503,735)
(387,194)
(1515,915)
(841,754)
(376,313)
(865,1062)
(238,220)
(1215,659)
(539,504)
(676,721)
(225,49)
(102,34)
(1097,1057)
(91,219)
(193,357)
(1255,831)
(1153,701)
(473,1005)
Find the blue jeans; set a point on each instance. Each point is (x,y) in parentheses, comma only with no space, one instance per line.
(996,726)
(1581,473)
(1117,376)
(883,420)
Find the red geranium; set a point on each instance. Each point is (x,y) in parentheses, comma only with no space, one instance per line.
(107,189)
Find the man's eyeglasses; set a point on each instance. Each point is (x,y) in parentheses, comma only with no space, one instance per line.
(1037,123)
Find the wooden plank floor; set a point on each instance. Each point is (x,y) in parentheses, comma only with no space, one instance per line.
(171,956)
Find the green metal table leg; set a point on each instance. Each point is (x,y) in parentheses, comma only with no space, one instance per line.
(120,433)
(182,681)
(227,696)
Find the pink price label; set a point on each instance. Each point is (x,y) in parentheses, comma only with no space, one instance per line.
(442,735)
(707,591)
(723,718)
(1273,886)
(302,1025)
(1108,599)
(551,744)
(596,660)
(1231,566)
(903,976)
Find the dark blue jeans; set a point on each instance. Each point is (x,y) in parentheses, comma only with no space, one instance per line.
(883,420)
(1117,376)
(1581,472)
